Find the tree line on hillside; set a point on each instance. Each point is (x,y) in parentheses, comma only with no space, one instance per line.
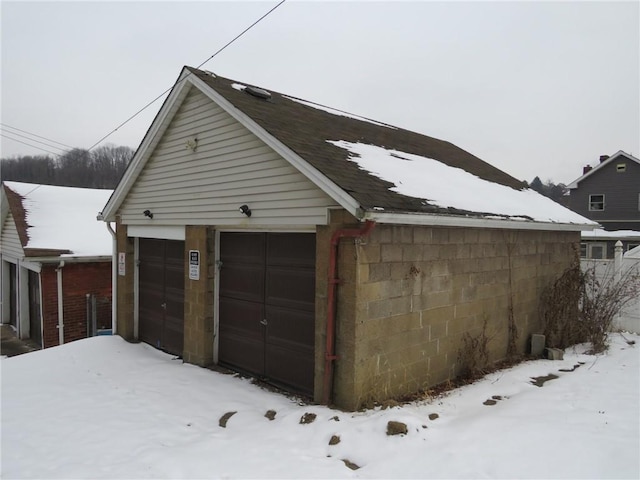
(549,189)
(103,167)
(99,168)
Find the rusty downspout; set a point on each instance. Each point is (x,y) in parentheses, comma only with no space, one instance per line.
(330,355)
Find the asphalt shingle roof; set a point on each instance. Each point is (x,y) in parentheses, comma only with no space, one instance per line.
(306,130)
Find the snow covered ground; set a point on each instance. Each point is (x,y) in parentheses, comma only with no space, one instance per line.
(104,408)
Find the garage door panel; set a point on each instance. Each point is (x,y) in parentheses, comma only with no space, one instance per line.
(173,335)
(150,274)
(245,248)
(291,287)
(243,353)
(290,328)
(241,318)
(151,249)
(291,249)
(150,327)
(174,278)
(161,294)
(243,282)
(268,276)
(293,371)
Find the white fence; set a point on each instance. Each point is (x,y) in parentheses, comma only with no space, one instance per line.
(629,319)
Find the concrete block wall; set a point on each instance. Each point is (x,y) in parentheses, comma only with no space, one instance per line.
(199,296)
(419,289)
(125,293)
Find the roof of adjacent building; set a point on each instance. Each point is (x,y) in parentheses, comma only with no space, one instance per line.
(53,221)
(615,157)
(384,170)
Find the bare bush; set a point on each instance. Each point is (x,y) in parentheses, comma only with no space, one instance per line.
(603,298)
(581,306)
(473,355)
(560,309)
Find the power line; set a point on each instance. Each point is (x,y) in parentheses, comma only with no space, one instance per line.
(34,140)
(189,73)
(34,135)
(29,145)
(242,33)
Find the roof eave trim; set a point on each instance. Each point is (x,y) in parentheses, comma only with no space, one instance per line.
(149,142)
(345,200)
(71,259)
(471,222)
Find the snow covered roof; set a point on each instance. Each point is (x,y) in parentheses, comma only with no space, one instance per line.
(615,156)
(601,234)
(54,220)
(451,187)
(334,150)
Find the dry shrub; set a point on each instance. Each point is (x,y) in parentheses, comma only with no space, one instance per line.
(560,312)
(473,355)
(603,299)
(580,306)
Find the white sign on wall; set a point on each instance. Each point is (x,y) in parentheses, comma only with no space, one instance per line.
(121,264)
(194,265)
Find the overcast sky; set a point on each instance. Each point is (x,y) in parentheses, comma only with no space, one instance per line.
(539,88)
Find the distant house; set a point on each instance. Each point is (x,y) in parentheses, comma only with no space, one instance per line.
(599,244)
(330,254)
(609,194)
(56,262)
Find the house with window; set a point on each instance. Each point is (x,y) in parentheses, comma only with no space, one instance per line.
(599,244)
(55,276)
(609,194)
(335,256)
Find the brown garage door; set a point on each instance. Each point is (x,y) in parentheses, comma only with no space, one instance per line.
(267,306)
(161,294)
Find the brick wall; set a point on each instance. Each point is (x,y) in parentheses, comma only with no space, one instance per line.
(408,294)
(49,306)
(78,280)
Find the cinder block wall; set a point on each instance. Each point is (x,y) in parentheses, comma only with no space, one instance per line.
(417,290)
(125,294)
(198,297)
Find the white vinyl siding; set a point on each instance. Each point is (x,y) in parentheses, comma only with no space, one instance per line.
(10,245)
(229,168)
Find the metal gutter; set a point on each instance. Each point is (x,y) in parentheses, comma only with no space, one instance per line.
(71,259)
(471,222)
(114,279)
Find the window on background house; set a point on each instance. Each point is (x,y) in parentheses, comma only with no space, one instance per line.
(596,202)
(621,167)
(631,246)
(597,251)
(583,250)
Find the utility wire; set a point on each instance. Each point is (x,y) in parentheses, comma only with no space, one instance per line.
(169,89)
(34,140)
(34,135)
(29,145)
(243,32)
